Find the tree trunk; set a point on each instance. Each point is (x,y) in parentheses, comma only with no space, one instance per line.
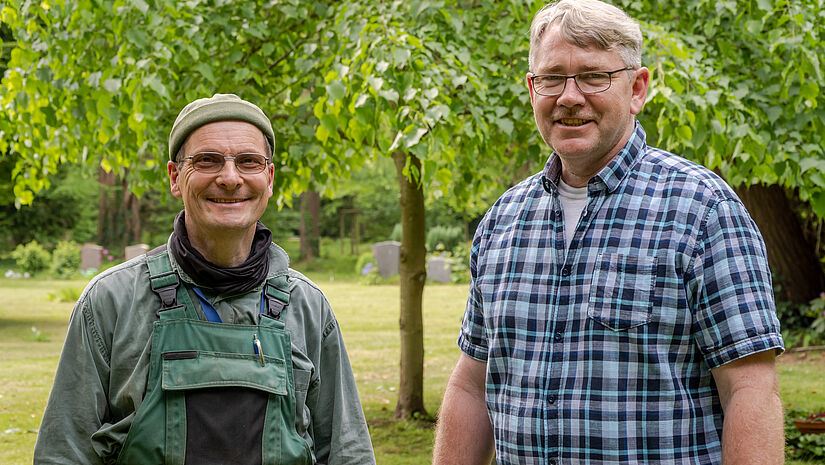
(412,268)
(792,258)
(310,237)
(126,208)
(136,224)
(105,203)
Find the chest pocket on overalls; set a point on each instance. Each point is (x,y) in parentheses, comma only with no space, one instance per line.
(216,394)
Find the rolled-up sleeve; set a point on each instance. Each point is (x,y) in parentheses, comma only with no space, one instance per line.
(734,309)
(472,339)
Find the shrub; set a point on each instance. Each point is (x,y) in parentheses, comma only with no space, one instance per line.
(803,325)
(395,235)
(460,272)
(444,237)
(798,446)
(31,257)
(363,259)
(65,259)
(66,294)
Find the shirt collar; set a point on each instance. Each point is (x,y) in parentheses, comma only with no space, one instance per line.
(611,175)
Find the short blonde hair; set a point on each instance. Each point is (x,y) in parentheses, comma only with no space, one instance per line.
(589,23)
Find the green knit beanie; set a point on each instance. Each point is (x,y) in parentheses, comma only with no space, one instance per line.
(220,107)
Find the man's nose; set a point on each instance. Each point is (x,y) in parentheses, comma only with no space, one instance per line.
(229,174)
(571,95)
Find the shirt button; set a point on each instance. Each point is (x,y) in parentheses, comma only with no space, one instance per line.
(552,462)
(565,271)
(551,400)
(558,336)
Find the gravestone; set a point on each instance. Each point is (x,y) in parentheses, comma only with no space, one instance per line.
(137,250)
(91,256)
(386,257)
(439,270)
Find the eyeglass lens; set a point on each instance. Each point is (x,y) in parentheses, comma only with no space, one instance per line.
(588,83)
(213,162)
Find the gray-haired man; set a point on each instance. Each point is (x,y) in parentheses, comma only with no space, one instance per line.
(621,308)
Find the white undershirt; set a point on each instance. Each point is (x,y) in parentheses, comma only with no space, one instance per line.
(573,200)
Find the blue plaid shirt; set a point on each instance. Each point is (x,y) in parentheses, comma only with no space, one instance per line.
(603,354)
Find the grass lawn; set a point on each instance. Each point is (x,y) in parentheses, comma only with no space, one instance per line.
(32,329)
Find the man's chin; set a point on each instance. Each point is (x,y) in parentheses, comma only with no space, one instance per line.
(573,148)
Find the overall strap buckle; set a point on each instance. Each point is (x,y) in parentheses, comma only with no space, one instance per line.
(166,285)
(276,293)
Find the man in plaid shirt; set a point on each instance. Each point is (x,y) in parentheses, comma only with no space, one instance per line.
(621,308)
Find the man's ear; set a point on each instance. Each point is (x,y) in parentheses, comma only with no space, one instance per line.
(271,174)
(172,170)
(641,81)
(530,88)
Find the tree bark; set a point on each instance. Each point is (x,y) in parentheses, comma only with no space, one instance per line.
(136,223)
(310,216)
(105,220)
(127,208)
(791,257)
(413,271)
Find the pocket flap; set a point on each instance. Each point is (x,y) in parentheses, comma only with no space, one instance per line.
(215,369)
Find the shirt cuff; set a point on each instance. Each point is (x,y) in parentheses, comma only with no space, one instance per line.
(744,348)
(473,351)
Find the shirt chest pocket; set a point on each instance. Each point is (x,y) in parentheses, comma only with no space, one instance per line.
(621,296)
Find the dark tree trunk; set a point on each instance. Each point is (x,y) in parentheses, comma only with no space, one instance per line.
(792,258)
(105,206)
(412,268)
(127,209)
(136,223)
(310,216)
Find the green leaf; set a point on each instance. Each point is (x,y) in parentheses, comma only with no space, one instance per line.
(337,90)
(390,95)
(140,5)
(818,204)
(808,163)
(400,56)
(206,71)
(268,48)
(414,137)
(137,37)
(330,122)
(112,85)
(154,83)
(505,125)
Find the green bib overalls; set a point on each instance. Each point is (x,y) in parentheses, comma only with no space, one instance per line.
(217,393)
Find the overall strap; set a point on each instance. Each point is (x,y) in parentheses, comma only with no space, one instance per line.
(166,283)
(276,293)
(162,278)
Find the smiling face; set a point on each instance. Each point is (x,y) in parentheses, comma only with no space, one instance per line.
(585,130)
(224,203)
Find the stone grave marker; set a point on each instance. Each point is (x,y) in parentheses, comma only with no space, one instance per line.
(439,270)
(91,256)
(137,250)
(386,256)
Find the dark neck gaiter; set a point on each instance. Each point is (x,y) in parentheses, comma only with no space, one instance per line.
(226,281)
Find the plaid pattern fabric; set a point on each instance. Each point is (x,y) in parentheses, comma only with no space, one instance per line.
(604,355)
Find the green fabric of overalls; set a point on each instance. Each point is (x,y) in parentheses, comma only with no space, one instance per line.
(191,356)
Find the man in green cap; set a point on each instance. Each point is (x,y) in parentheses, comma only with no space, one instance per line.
(210,349)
